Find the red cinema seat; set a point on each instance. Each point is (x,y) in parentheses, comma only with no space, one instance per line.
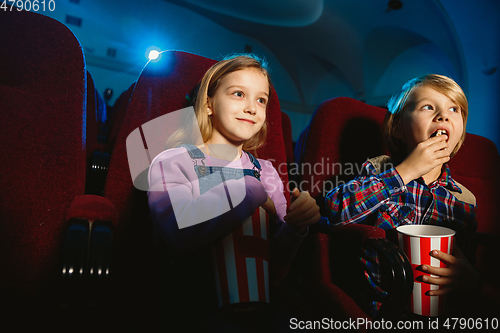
(342,134)
(163,87)
(476,166)
(43,135)
(118,114)
(43,241)
(287,136)
(97,148)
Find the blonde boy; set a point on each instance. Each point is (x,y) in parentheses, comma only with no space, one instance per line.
(424,129)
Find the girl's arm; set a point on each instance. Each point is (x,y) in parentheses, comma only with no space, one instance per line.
(186,220)
(353,201)
(286,240)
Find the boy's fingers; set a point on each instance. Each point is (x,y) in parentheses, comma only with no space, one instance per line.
(441,271)
(440,281)
(444,257)
(441,291)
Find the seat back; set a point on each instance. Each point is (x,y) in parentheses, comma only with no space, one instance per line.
(287,136)
(42,130)
(92,116)
(476,166)
(342,135)
(118,114)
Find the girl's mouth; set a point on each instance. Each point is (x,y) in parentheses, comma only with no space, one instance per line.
(248,121)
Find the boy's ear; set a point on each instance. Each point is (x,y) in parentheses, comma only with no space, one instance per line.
(398,131)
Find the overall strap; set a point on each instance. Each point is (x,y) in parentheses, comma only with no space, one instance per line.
(254,161)
(257,168)
(193,151)
(202,170)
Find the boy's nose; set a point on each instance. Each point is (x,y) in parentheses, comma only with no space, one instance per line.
(442,115)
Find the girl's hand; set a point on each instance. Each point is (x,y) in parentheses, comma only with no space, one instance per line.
(459,275)
(303,211)
(426,156)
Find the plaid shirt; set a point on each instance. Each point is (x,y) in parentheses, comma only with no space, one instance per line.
(379,193)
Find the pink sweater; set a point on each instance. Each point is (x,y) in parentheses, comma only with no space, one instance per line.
(178,209)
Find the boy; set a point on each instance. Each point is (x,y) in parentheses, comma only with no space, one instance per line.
(424,129)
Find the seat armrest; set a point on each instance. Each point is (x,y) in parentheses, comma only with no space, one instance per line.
(100,250)
(356,232)
(487,239)
(75,248)
(346,243)
(399,276)
(87,249)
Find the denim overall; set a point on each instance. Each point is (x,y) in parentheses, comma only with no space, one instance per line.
(210,176)
(240,259)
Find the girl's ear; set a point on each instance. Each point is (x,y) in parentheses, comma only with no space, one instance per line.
(209,106)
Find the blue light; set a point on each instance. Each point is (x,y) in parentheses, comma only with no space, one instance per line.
(153,54)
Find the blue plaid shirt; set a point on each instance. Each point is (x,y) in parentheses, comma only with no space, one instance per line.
(379,197)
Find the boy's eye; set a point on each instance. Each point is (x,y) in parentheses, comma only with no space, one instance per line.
(427,107)
(238,93)
(454,109)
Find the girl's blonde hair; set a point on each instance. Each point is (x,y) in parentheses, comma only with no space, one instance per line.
(207,89)
(397,104)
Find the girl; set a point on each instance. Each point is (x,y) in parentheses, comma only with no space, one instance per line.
(191,207)
(425,127)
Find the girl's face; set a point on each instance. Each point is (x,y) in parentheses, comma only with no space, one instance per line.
(238,107)
(428,111)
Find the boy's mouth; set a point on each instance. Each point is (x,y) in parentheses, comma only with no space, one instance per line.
(439,132)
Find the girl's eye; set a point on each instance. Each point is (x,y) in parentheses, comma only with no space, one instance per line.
(262,101)
(427,107)
(454,109)
(238,93)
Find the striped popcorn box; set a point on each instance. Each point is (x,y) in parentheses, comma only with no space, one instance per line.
(241,262)
(417,242)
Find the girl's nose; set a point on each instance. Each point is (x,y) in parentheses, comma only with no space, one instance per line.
(251,109)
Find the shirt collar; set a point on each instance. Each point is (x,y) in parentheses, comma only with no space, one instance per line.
(446,181)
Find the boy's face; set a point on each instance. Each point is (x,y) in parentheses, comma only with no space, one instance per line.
(428,111)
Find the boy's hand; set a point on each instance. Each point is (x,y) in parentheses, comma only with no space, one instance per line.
(303,211)
(426,156)
(459,275)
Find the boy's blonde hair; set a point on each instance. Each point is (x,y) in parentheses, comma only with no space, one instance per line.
(397,104)
(207,89)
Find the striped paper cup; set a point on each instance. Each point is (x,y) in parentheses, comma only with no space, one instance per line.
(417,242)
(241,262)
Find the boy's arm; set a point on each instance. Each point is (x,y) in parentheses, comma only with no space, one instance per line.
(353,201)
